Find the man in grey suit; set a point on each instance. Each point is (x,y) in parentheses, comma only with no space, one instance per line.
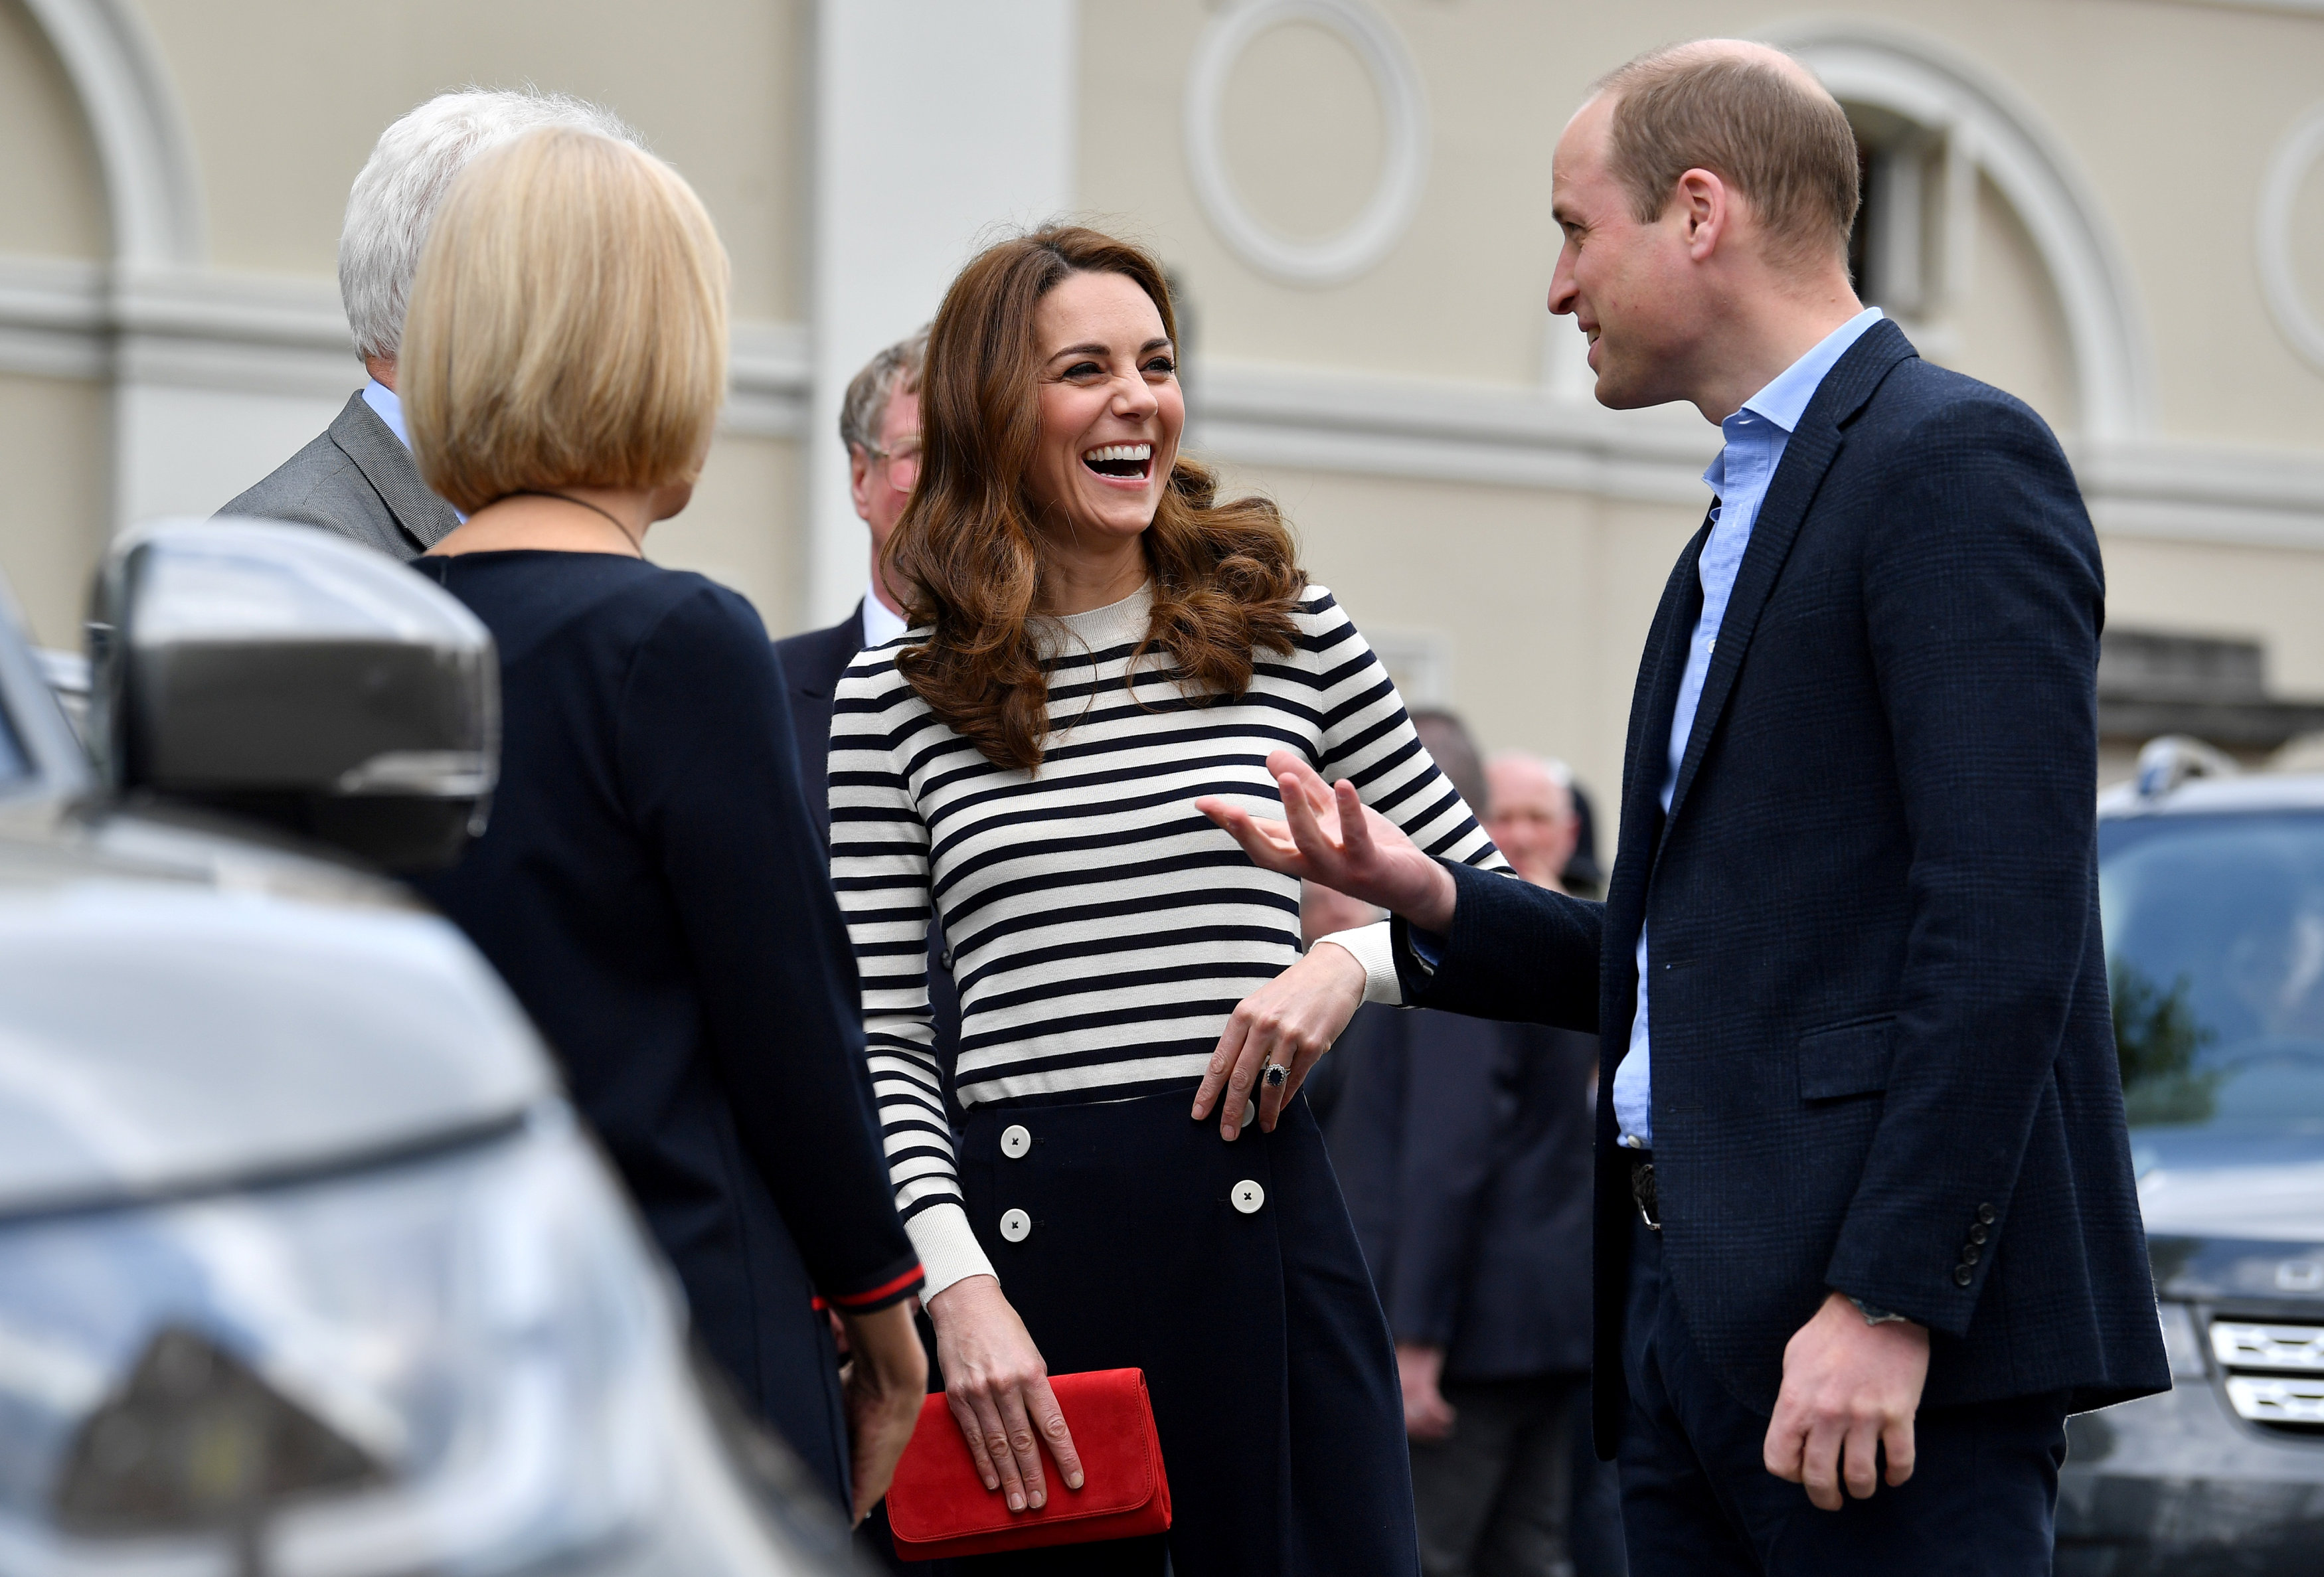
(357,477)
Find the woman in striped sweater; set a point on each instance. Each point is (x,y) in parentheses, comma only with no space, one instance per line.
(1097,643)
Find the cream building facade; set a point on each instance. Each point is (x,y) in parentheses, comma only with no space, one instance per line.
(2114,209)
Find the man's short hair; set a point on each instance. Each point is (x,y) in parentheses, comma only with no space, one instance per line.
(568,324)
(407,175)
(1787,148)
(868,391)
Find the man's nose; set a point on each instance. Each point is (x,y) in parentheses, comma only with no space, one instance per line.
(1561,289)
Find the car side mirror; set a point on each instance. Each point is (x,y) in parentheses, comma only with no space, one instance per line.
(281,674)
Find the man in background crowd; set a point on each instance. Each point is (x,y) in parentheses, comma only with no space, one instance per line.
(357,478)
(879,424)
(1529,811)
(1464,1149)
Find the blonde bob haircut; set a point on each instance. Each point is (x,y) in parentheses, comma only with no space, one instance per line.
(568,326)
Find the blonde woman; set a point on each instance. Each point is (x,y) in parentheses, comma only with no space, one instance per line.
(651,885)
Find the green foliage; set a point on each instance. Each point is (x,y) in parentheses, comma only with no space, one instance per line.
(2155,1038)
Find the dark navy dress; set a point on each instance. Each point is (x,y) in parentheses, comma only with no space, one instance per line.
(652,887)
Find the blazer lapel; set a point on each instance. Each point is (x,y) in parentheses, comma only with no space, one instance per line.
(1652,704)
(388,466)
(1806,457)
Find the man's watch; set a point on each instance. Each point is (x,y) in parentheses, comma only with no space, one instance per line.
(1876,1316)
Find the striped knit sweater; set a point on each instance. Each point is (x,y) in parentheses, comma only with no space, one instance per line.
(1102,928)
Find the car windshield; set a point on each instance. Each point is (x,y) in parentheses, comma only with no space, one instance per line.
(2215,955)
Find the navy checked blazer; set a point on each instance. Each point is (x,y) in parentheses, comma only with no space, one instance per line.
(813,663)
(1883,1059)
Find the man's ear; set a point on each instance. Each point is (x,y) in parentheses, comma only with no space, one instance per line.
(859,480)
(1705,210)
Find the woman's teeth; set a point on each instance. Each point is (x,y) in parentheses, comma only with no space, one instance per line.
(1119,459)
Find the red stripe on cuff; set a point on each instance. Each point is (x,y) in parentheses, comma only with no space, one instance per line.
(886,1289)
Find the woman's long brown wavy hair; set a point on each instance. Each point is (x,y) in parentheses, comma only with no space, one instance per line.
(968,547)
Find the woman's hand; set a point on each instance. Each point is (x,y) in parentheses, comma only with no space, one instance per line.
(1328,835)
(885,1382)
(1290,1021)
(999,1389)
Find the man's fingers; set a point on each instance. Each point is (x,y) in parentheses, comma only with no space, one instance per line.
(972,1431)
(1050,1419)
(1307,830)
(1355,831)
(1269,844)
(1898,1438)
(1861,1460)
(1785,1436)
(1024,1446)
(1222,1060)
(1819,1467)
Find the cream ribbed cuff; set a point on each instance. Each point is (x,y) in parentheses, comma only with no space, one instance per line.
(949,1250)
(1370,947)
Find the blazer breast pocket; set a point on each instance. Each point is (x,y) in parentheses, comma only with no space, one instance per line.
(1850,1059)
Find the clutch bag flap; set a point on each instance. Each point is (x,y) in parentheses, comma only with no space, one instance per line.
(938,1507)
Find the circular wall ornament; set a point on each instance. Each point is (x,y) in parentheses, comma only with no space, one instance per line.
(1404,169)
(2279,284)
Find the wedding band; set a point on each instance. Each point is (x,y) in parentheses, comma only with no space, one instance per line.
(1274,1075)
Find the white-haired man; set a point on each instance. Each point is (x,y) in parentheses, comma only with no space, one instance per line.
(357,478)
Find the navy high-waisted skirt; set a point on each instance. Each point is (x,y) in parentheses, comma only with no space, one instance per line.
(1231,1274)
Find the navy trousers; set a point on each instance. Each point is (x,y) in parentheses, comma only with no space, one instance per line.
(1698,1501)
(1270,1365)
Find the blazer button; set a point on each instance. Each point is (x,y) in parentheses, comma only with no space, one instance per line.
(1248,1196)
(1979,1233)
(1985,1214)
(1015,1142)
(1016,1225)
(1964,1275)
(1971,1253)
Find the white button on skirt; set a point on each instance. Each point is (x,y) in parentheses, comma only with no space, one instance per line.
(1015,1142)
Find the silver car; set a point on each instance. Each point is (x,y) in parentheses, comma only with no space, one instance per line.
(305,1264)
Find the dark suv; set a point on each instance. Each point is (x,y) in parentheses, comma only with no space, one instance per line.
(2212,893)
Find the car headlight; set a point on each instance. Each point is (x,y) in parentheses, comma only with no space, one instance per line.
(467,1362)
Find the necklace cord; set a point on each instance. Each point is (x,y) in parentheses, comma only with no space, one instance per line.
(636,547)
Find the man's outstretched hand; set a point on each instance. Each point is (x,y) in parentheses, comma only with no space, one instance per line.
(1850,1390)
(1328,836)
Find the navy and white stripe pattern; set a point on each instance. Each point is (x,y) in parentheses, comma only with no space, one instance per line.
(1102,928)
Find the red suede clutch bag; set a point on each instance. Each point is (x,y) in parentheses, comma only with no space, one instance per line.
(937,1506)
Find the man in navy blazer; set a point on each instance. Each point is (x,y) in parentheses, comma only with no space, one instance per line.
(880,423)
(1864,1190)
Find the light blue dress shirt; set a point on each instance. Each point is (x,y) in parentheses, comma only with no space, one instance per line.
(1738,477)
(389,409)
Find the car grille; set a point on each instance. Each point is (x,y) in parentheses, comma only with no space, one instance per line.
(2286,1347)
(2293,1394)
(2269,1400)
